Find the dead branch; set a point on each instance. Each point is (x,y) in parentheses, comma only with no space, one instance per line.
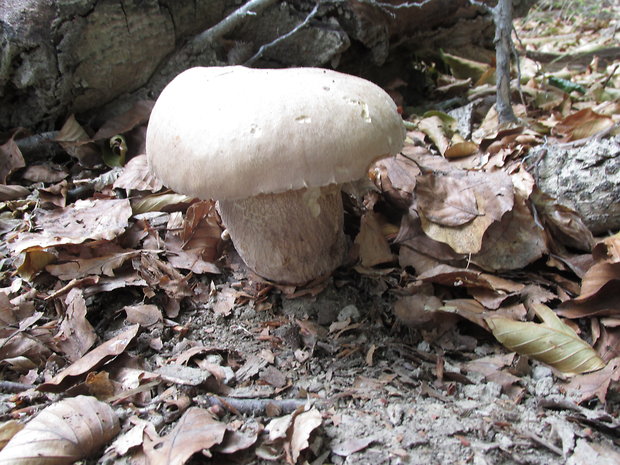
(273,43)
(254,407)
(230,22)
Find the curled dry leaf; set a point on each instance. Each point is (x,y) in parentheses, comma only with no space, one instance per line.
(63,433)
(196,430)
(374,248)
(551,342)
(305,423)
(75,140)
(11,159)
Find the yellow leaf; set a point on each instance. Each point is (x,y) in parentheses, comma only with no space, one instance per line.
(551,342)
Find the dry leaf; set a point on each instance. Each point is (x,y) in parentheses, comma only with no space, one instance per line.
(446,200)
(8,429)
(513,242)
(138,114)
(584,123)
(350,446)
(551,342)
(84,220)
(136,175)
(565,223)
(63,433)
(197,430)
(603,302)
(197,248)
(92,360)
(373,246)
(76,335)
(595,384)
(144,315)
(11,159)
(433,127)
(75,140)
(303,426)
(597,276)
(494,197)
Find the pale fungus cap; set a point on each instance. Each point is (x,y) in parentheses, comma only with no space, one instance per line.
(235,132)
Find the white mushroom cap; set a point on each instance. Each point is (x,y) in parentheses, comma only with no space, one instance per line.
(235,132)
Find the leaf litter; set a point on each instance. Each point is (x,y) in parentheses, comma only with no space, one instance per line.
(122,299)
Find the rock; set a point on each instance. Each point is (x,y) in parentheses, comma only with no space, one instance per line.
(584,177)
(350,312)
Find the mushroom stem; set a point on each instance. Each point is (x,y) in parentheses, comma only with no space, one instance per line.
(288,238)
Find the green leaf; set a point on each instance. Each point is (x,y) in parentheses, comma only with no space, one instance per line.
(566,85)
(551,342)
(115,154)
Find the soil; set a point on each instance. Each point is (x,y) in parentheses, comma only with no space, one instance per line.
(387,394)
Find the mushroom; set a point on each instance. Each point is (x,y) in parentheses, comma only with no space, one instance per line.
(272,146)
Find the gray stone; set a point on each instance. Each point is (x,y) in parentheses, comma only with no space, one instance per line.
(585,178)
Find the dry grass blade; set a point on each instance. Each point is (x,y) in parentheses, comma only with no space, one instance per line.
(551,342)
(62,433)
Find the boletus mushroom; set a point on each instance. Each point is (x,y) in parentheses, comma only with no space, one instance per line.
(272,146)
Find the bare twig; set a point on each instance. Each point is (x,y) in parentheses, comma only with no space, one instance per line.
(293,31)
(10,386)
(230,22)
(255,407)
(540,441)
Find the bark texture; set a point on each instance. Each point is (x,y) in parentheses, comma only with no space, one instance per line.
(73,56)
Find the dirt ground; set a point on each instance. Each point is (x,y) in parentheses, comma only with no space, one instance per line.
(387,394)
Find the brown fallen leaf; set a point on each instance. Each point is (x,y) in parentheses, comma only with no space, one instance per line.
(584,123)
(144,315)
(138,114)
(197,430)
(92,219)
(303,426)
(603,302)
(92,360)
(446,200)
(565,223)
(350,446)
(494,197)
(75,140)
(197,247)
(76,335)
(11,159)
(597,276)
(136,175)
(63,433)
(374,248)
(8,429)
(595,384)
(513,242)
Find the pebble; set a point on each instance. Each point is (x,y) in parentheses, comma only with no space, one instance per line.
(350,312)
(541,371)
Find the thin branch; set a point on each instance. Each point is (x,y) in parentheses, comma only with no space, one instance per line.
(293,31)
(390,6)
(230,22)
(254,407)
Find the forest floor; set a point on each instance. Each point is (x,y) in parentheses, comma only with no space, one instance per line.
(135,309)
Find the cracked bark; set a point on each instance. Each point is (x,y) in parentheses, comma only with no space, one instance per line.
(98,57)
